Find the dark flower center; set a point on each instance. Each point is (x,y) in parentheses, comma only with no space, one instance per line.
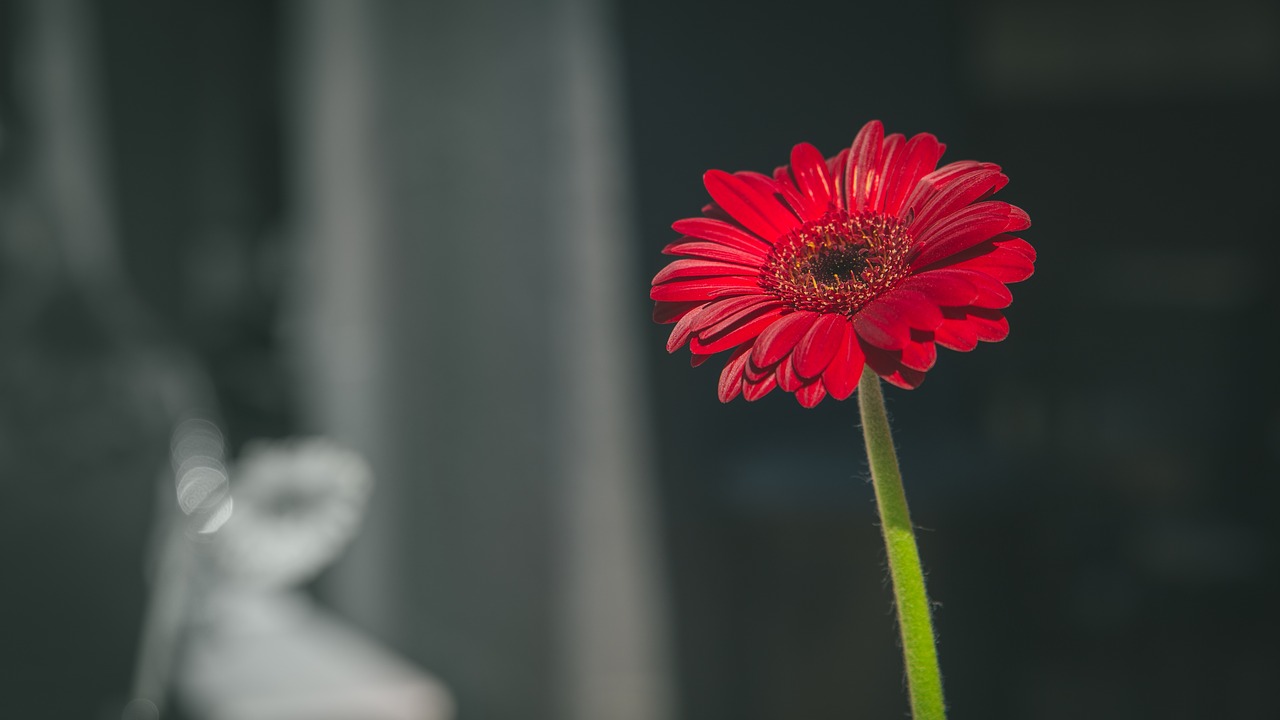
(838,263)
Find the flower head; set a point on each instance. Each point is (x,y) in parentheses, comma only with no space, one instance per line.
(872,257)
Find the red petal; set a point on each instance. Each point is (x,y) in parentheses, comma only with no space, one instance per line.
(879,324)
(685,328)
(915,307)
(991,292)
(966,189)
(905,378)
(696,360)
(1018,245)
(761,182)
(755,374)
(864,164)
(948,173)
(918,158)
(703,289)
(889,154)
(818,346)
(988,292)
(699,268)
(731,376)
(992,325)
(667,312)
(936,180)
(718,310)
(888,365)
(811,175)
(842,375)
(742,333)
(715,251)
(725,316)
(787,378)
(759,212)
(956,334)
(945,289)
(779,339)
(964,327)
(810,395)
(755,391)
(838,168)
(882,362)
(965,228)
(793,200)
(1003,260)
(919,355)
(799,203)
(721,232)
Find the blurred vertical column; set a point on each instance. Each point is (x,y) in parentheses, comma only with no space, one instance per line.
(614,600)
(461,317)
(340,314)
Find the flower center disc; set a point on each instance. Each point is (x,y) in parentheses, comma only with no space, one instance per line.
(838,263)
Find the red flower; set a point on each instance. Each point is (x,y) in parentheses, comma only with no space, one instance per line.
(871,256)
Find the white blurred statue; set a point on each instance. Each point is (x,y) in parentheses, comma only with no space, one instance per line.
(254,647)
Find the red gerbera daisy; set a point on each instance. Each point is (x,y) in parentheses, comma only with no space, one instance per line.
(870,257)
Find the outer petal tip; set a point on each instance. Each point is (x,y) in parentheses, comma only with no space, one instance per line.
(810,395)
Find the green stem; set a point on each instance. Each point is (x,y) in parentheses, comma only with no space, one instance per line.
(924,680)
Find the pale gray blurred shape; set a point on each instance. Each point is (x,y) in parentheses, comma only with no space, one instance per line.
(196,437)
(212,521)
(200,476)
(252,650)
(461,317)
(275,656)
(201,486)
(301,502)
(202,491)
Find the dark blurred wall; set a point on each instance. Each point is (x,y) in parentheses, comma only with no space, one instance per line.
(193,101)
(1095,490)
(136,186)
(1152,546)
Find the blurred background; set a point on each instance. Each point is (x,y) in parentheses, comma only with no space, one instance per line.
(425,231)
